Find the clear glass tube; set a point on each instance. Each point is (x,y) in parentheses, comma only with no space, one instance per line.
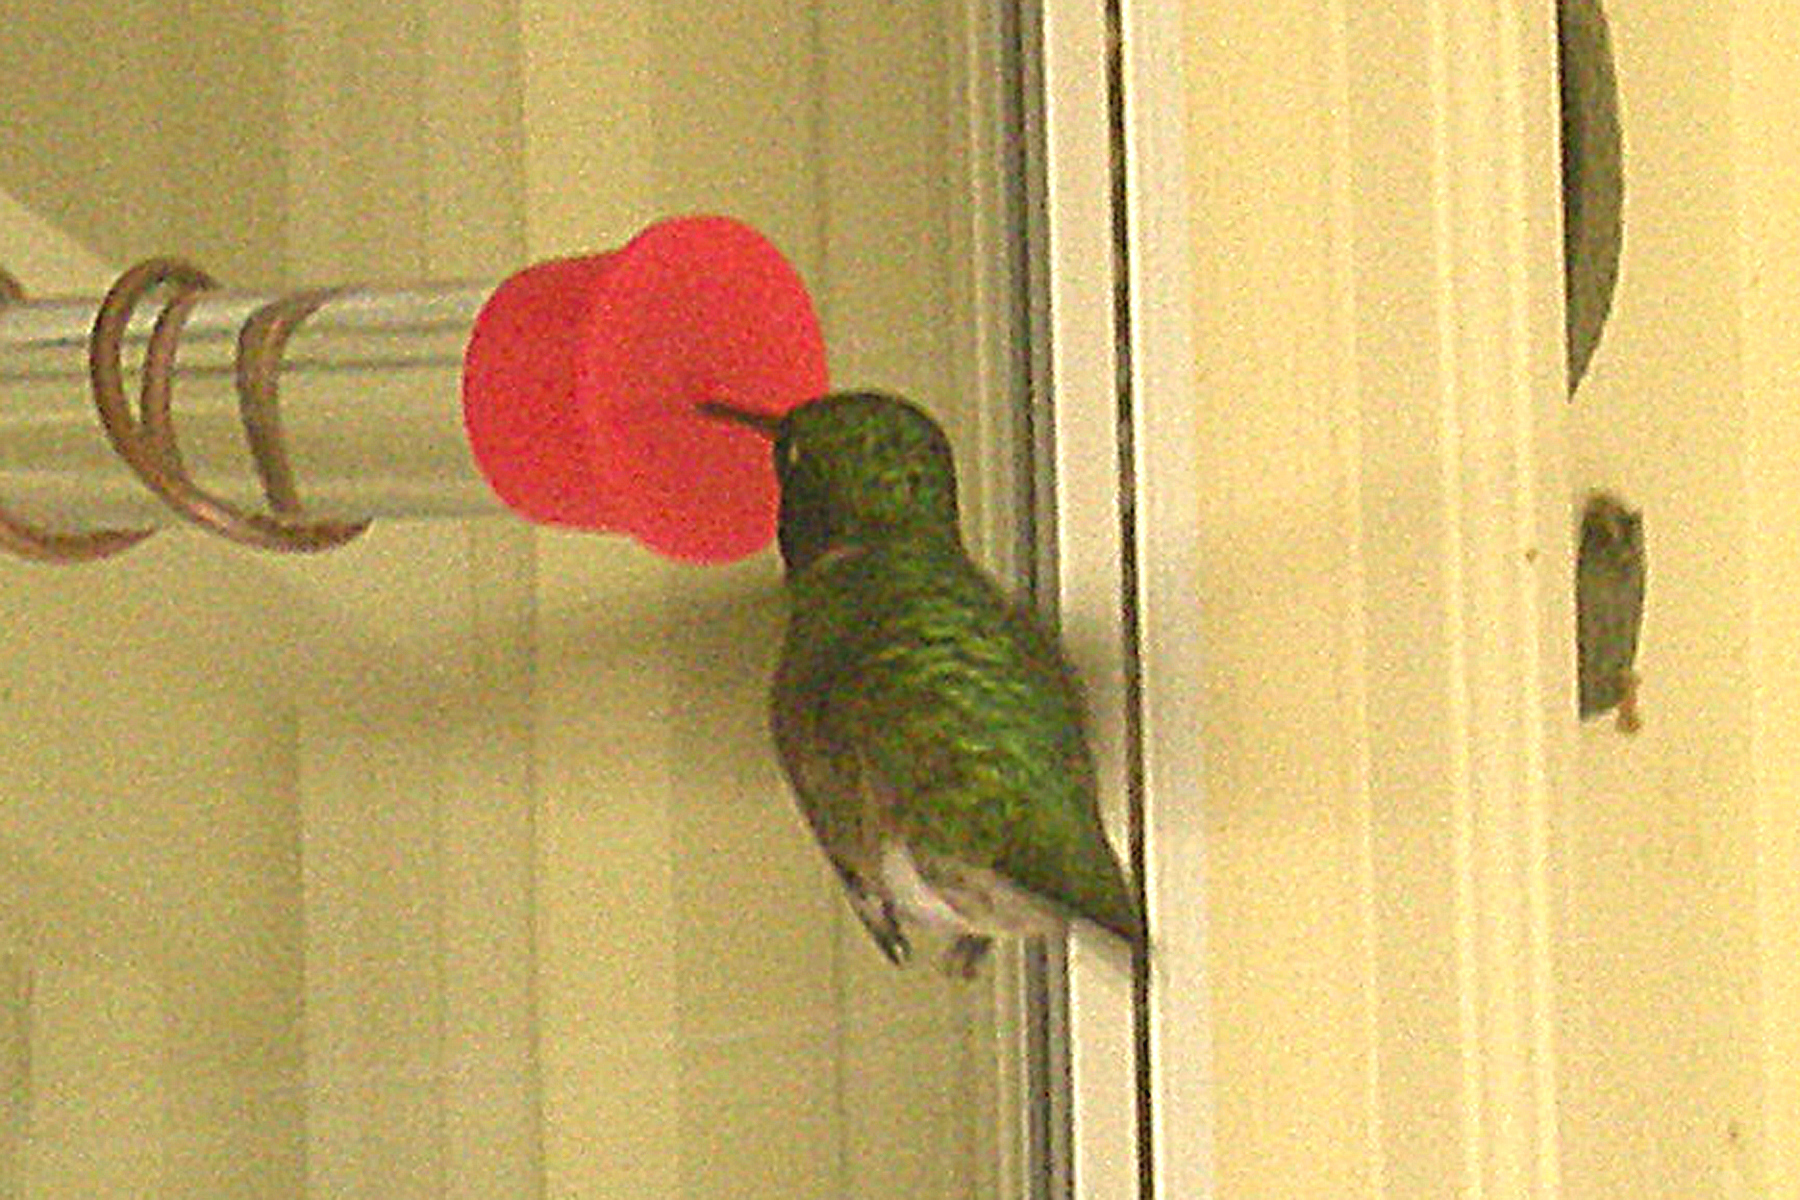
(370,397)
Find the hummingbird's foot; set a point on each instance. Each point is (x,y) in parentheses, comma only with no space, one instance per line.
(877,916)
(964,957)
(892,943)
(876,913)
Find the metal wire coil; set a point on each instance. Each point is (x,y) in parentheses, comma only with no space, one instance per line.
(145,439)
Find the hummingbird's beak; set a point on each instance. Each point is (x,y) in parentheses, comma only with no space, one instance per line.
(764,423)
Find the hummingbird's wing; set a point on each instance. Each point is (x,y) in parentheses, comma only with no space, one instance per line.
(832,786)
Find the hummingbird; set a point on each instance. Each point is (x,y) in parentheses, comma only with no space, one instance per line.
(931,730)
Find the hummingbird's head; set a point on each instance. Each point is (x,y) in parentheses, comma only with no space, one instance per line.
(856,467)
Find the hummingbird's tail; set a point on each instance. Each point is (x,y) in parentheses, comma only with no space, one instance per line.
(1118,913)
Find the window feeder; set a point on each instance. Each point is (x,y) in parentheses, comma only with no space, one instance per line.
(567,394)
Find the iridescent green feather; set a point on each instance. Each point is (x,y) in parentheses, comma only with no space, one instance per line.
(966,712)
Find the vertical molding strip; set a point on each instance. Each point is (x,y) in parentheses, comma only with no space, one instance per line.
(1168,469)
(1765,63)
(1089,555)
(1381,637)
(1467,556)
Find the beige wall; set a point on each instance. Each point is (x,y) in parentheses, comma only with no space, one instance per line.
(1766,93)
(1672,1009)
(147,124)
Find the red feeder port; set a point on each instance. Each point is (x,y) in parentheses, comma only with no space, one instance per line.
(582,377)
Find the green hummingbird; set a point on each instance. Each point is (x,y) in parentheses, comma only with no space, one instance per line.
(931,730)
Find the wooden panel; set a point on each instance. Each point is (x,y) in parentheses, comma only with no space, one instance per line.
(1384,605)
(1287,868)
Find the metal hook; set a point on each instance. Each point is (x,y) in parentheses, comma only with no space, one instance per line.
(260,344)
(44,545)
(147,442)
